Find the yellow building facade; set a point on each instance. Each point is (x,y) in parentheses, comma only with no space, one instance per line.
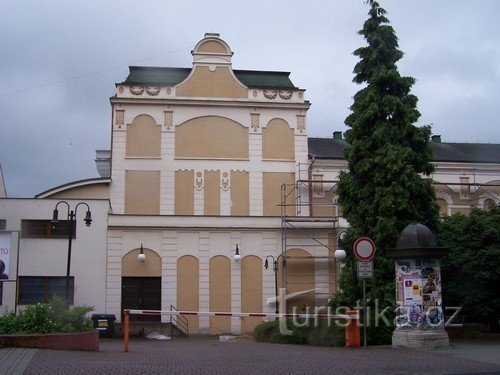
(210,159)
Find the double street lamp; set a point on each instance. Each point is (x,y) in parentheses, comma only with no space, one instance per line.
(275,269)
(71,224)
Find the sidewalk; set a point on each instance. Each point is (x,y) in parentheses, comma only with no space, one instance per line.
(203,355)
(14,361)
(483,351)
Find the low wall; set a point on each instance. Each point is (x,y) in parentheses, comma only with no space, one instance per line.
(88,341)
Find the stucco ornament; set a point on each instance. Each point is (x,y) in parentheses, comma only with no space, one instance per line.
(136,90)
(198,181)
(168,118)
(286,94)
(270,94)
(255,122)
(153,91)
(224,182)
(301,123)
(119,117)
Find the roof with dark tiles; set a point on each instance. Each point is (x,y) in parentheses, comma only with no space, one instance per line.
(145,75)
(330,148)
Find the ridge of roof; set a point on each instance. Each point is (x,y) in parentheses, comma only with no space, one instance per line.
(68,185)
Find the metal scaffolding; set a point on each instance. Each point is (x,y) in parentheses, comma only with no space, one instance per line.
(309,222)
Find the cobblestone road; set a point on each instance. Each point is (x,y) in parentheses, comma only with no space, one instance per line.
(209,356)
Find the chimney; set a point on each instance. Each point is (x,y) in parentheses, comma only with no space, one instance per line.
(337,135)
(103,162)
(436,139)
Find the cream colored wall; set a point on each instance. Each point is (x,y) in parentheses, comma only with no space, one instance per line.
(278,140)
(184,192)
(240,193)
(272,193)
(252,161)
(211,137)
(150,267)
(205,83)
(188,289)
(211,46)
(142,192)
(238,283)
(212,193)
(220,293)
(193,130)
(143,137)
(251,291)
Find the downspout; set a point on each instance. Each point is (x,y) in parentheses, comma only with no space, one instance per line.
(309,177)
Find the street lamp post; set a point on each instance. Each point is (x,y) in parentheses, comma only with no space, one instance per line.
(275,269)
(70,228)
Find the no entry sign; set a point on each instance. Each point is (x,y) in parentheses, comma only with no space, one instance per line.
(364,248)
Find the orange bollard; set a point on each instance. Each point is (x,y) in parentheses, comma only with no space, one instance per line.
(126,329)
(352,329)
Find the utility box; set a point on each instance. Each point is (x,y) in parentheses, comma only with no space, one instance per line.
(105,324)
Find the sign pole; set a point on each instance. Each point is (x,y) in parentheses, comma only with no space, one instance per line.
(364,249)
(364,311)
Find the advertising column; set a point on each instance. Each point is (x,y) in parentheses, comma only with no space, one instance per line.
(4,255)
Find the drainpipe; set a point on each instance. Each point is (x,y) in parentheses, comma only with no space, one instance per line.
(309,177)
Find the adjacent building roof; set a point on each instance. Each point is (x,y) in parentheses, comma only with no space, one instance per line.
(145,75)
(327,148)
(72,185)
(330,148)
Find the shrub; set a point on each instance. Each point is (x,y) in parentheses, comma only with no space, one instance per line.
(270,332)
(322,335)
(264,331)
(51,317)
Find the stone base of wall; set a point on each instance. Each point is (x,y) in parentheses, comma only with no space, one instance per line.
(420,339)
(87,341)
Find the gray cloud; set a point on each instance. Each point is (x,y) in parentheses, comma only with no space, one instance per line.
(60,61)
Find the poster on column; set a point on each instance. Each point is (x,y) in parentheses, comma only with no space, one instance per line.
(4,255)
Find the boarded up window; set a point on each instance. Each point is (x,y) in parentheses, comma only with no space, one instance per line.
(142,192)
(143,137)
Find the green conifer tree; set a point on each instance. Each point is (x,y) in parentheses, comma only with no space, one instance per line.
(387,185)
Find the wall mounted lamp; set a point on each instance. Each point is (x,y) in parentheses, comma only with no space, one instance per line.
(340,253)
(237,256)
(141,256)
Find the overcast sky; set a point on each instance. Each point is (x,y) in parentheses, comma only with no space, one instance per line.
(60,61)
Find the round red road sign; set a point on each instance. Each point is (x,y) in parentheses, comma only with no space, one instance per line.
(364,248)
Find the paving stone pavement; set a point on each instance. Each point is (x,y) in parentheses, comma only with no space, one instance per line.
(203,355)
(14,361)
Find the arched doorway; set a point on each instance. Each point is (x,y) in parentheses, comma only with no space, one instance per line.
(141,284)
(299,276)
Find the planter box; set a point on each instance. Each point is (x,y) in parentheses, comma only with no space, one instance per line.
(88,341)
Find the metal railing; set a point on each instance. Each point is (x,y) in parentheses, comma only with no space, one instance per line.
(179,321)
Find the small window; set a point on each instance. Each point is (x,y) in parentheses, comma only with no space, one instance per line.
(3,224)
(45,229)
(33,289)
(318,189)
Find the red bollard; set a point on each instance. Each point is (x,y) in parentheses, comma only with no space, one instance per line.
(352,330)
(126,329)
